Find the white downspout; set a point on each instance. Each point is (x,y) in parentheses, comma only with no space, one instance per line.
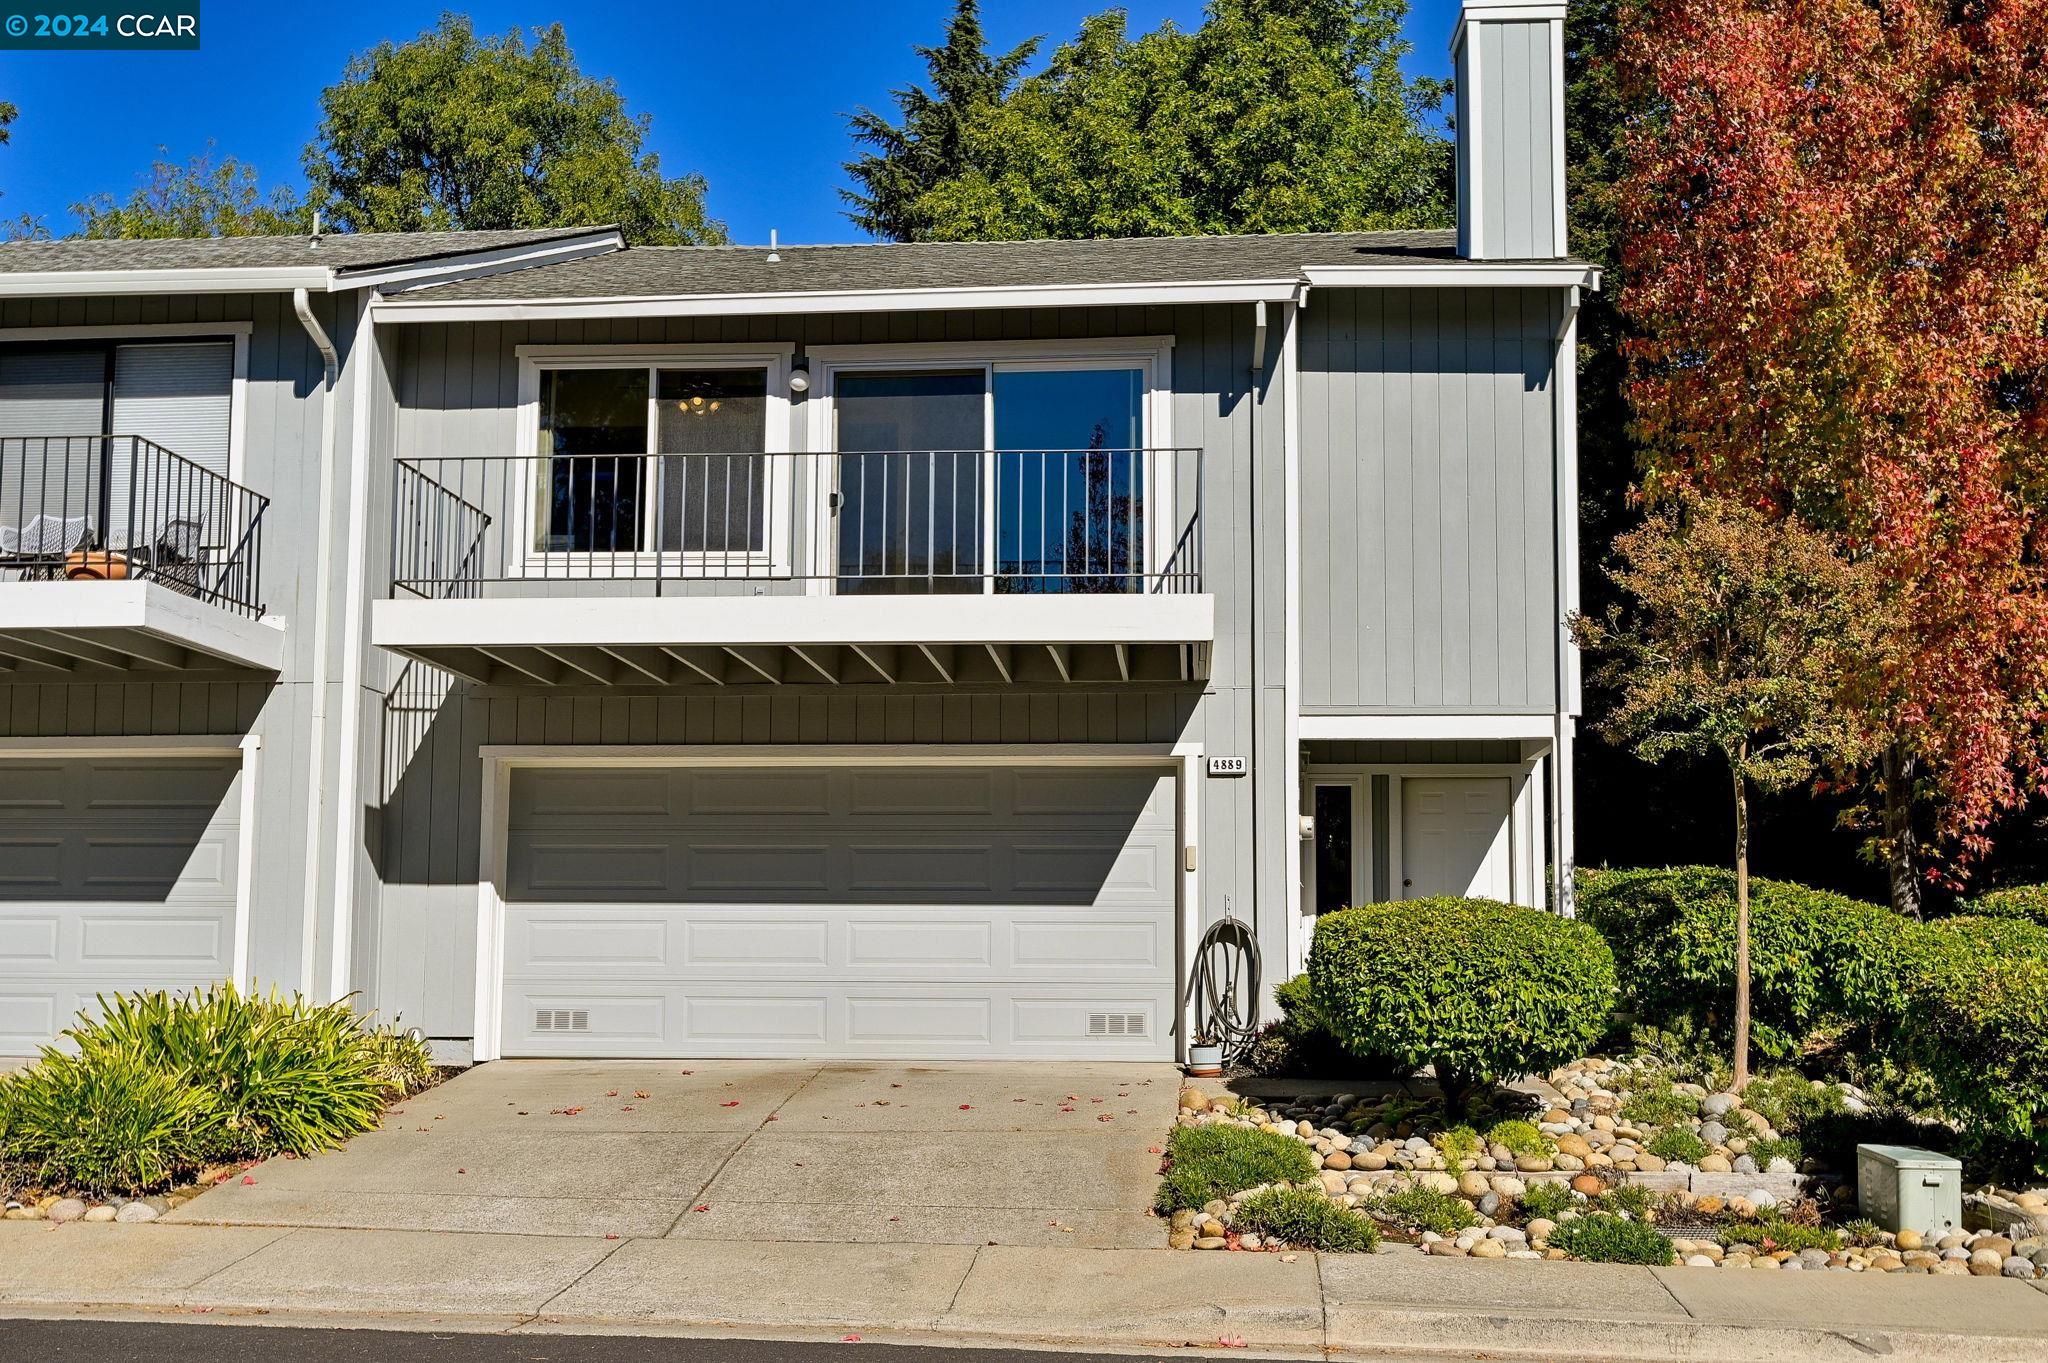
(348,827)
(316,787)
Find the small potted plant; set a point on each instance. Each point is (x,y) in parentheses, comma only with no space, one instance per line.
(1205,1056)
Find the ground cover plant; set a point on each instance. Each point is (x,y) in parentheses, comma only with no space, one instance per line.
(1604,1238)
(161,1085)
(1210,1162)
(1305,1219)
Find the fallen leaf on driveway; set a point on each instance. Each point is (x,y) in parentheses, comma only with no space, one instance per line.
(1155,1150)
(686,1071)
(966,1107)
(731,1103)
(1106,1117)
(849,1339)
(611,1093)
(1231,1341)
(642,1093)
(462,1171)
(248,1180)
(609,1236)
(701,1207)
(773,1118)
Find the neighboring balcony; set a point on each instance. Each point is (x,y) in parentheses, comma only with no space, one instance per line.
(120,558)
(882,567)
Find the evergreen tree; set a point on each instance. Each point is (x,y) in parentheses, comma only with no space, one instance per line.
(1273,116)
(928,147)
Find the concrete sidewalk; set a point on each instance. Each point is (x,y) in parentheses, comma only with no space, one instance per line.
(1293,1306)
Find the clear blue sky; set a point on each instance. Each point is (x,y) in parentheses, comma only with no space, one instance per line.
(748,94)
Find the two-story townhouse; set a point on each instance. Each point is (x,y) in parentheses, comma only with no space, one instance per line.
(859,651)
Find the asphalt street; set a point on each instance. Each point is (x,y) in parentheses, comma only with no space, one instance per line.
(80,1341)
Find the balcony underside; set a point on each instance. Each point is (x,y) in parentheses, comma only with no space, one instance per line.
(806,640)
(105,630)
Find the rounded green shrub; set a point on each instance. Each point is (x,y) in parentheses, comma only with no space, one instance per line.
(1816,958)
(1479,989)
(1208,1162)
(1304,1219)
(2026,902)
(1602,1238)
(1521,1137)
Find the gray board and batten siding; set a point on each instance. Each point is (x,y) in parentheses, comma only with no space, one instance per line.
(457,391)
(280,460)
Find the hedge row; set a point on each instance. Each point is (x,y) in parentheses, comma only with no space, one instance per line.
(1963,999)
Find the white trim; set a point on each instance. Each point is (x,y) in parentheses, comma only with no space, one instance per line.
(479,264)
(601,622)
(1565,415)
(1470,144)
(83,283)
(148,608)
(1501,11)
(1290,549)
(149,745)
(1525,868)
(1359,728)
(364,358)
(1477,274)
(1153,355)
(426,309)
(1182,758)
(247,748)
(773,358)
(251,748)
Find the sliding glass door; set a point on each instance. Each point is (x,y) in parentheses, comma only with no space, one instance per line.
(1008,476)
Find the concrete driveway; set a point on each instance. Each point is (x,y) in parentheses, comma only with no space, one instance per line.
(1012,1154)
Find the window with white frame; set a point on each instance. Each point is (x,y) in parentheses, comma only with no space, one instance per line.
(1005,468)
(658,453)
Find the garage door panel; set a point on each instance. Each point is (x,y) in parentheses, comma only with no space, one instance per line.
(590,795)
(878,928)
(116,875)
(946,793)
(559,867)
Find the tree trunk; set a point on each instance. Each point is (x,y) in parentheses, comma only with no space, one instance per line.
(1741,932)
(1900,850)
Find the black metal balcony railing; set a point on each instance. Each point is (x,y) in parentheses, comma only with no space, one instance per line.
(884,522)
(118,506)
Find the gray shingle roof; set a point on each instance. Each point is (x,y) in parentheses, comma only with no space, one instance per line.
(671,271)
(339,251)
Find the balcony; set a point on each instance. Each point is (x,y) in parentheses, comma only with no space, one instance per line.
(121,558)
(887,567)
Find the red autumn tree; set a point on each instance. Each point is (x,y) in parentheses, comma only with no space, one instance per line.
(1836,239)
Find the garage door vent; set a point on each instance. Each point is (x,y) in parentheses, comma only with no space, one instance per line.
(1116,1024)
(561,1019)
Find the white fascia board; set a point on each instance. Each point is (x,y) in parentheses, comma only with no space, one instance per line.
(602,622)
(479,264)
(1365,728)
(1502,11)
(47,283)
(146,607)
(1474,275)
(421,307)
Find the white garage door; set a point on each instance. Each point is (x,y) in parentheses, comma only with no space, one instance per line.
(115,874)
(871,912)
(1454,836)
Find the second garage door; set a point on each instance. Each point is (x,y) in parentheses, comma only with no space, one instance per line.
(870,912)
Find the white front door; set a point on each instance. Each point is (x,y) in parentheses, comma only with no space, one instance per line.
(1454,836)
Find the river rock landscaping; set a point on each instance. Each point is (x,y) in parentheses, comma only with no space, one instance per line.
(1600,1160)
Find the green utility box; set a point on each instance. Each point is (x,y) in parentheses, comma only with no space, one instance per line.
(1901,1188)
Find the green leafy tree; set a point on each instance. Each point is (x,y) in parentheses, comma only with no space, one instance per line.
(8,113)
(453,130)
(1273,116)
(1740,636)
(909,159)
(203,197)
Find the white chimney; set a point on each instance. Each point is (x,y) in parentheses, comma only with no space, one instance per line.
(1509,56)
